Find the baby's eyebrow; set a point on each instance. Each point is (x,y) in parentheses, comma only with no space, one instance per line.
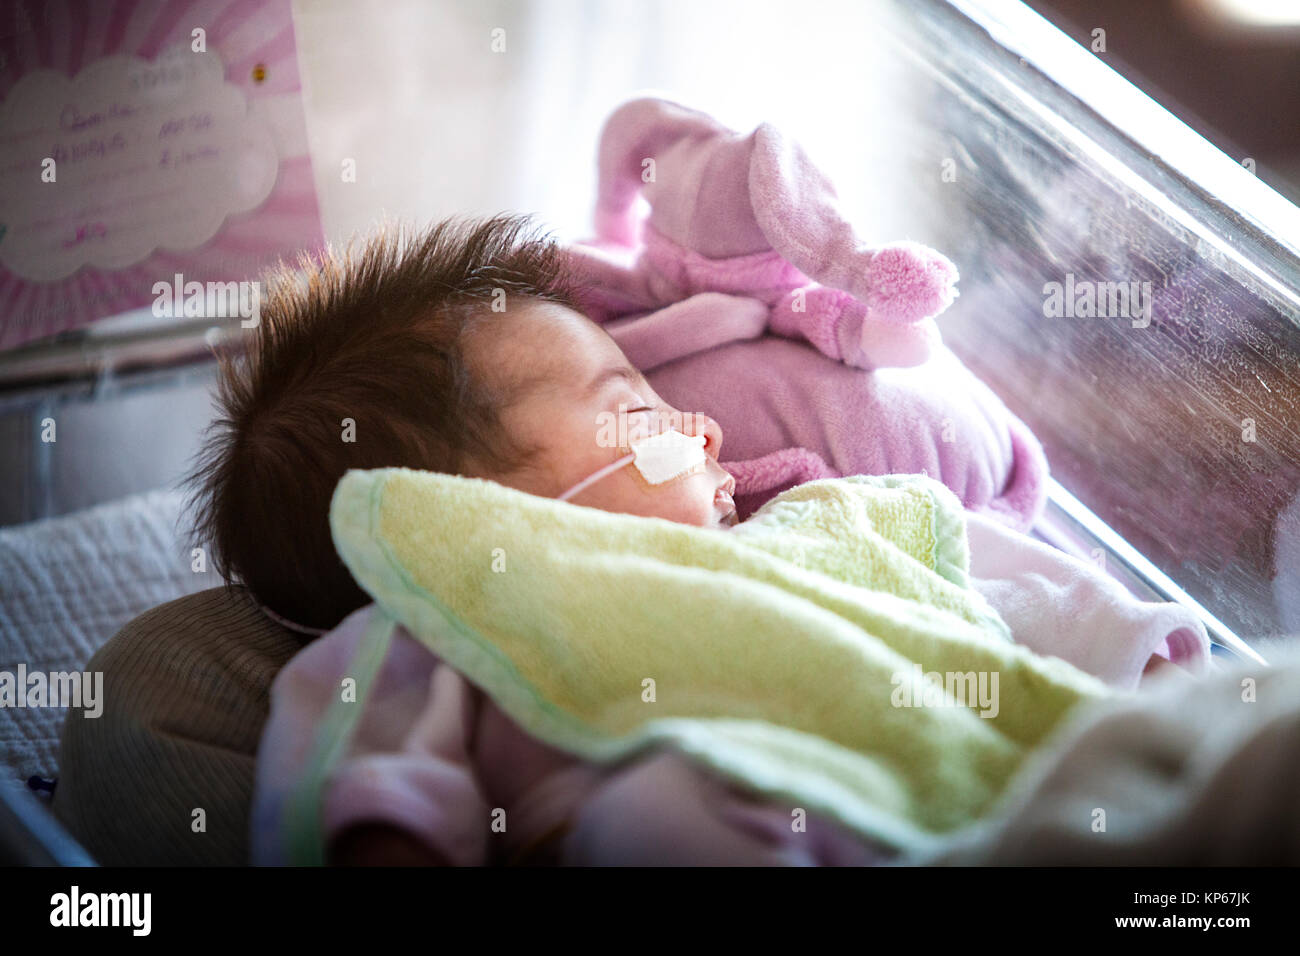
(625,372)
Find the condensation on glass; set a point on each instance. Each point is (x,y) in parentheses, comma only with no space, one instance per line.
(1178,426)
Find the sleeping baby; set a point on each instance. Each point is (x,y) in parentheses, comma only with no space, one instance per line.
(462,351)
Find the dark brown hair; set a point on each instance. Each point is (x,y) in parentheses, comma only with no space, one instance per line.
(376,338)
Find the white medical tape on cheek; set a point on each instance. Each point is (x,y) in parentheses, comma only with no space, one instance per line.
(668,455)
(659,459)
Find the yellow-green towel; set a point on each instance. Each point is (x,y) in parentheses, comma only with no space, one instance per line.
(814,653)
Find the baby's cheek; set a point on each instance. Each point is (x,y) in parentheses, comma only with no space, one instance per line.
(695,500)
(685,500)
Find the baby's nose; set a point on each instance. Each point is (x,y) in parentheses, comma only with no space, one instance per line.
(711,430)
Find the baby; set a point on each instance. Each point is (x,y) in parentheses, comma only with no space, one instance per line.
(462,351)
(584,406)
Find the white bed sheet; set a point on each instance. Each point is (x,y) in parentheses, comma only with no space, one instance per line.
(67,584)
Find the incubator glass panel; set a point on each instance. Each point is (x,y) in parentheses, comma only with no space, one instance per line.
(1130,295)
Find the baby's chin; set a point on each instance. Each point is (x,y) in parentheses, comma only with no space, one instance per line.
(719,517)
(723,515)
(701,514)
(691,499)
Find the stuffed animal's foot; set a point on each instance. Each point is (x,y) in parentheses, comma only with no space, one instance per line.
(852,332)
(909,282)
(893,345)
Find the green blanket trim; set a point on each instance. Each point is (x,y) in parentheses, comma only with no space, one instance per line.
(305,843)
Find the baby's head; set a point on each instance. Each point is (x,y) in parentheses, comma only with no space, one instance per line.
(460,350)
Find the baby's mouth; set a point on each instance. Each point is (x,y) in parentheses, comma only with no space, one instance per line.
(727,506)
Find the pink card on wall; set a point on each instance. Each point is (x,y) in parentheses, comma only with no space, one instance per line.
(141,140)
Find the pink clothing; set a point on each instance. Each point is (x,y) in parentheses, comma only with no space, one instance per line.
(791,415)
(1062,606)
(444,772)
(436,757)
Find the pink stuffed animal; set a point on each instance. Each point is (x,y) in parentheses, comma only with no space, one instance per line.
(744,254)
(751,214)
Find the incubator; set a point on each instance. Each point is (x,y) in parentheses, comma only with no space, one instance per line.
(1172,427)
